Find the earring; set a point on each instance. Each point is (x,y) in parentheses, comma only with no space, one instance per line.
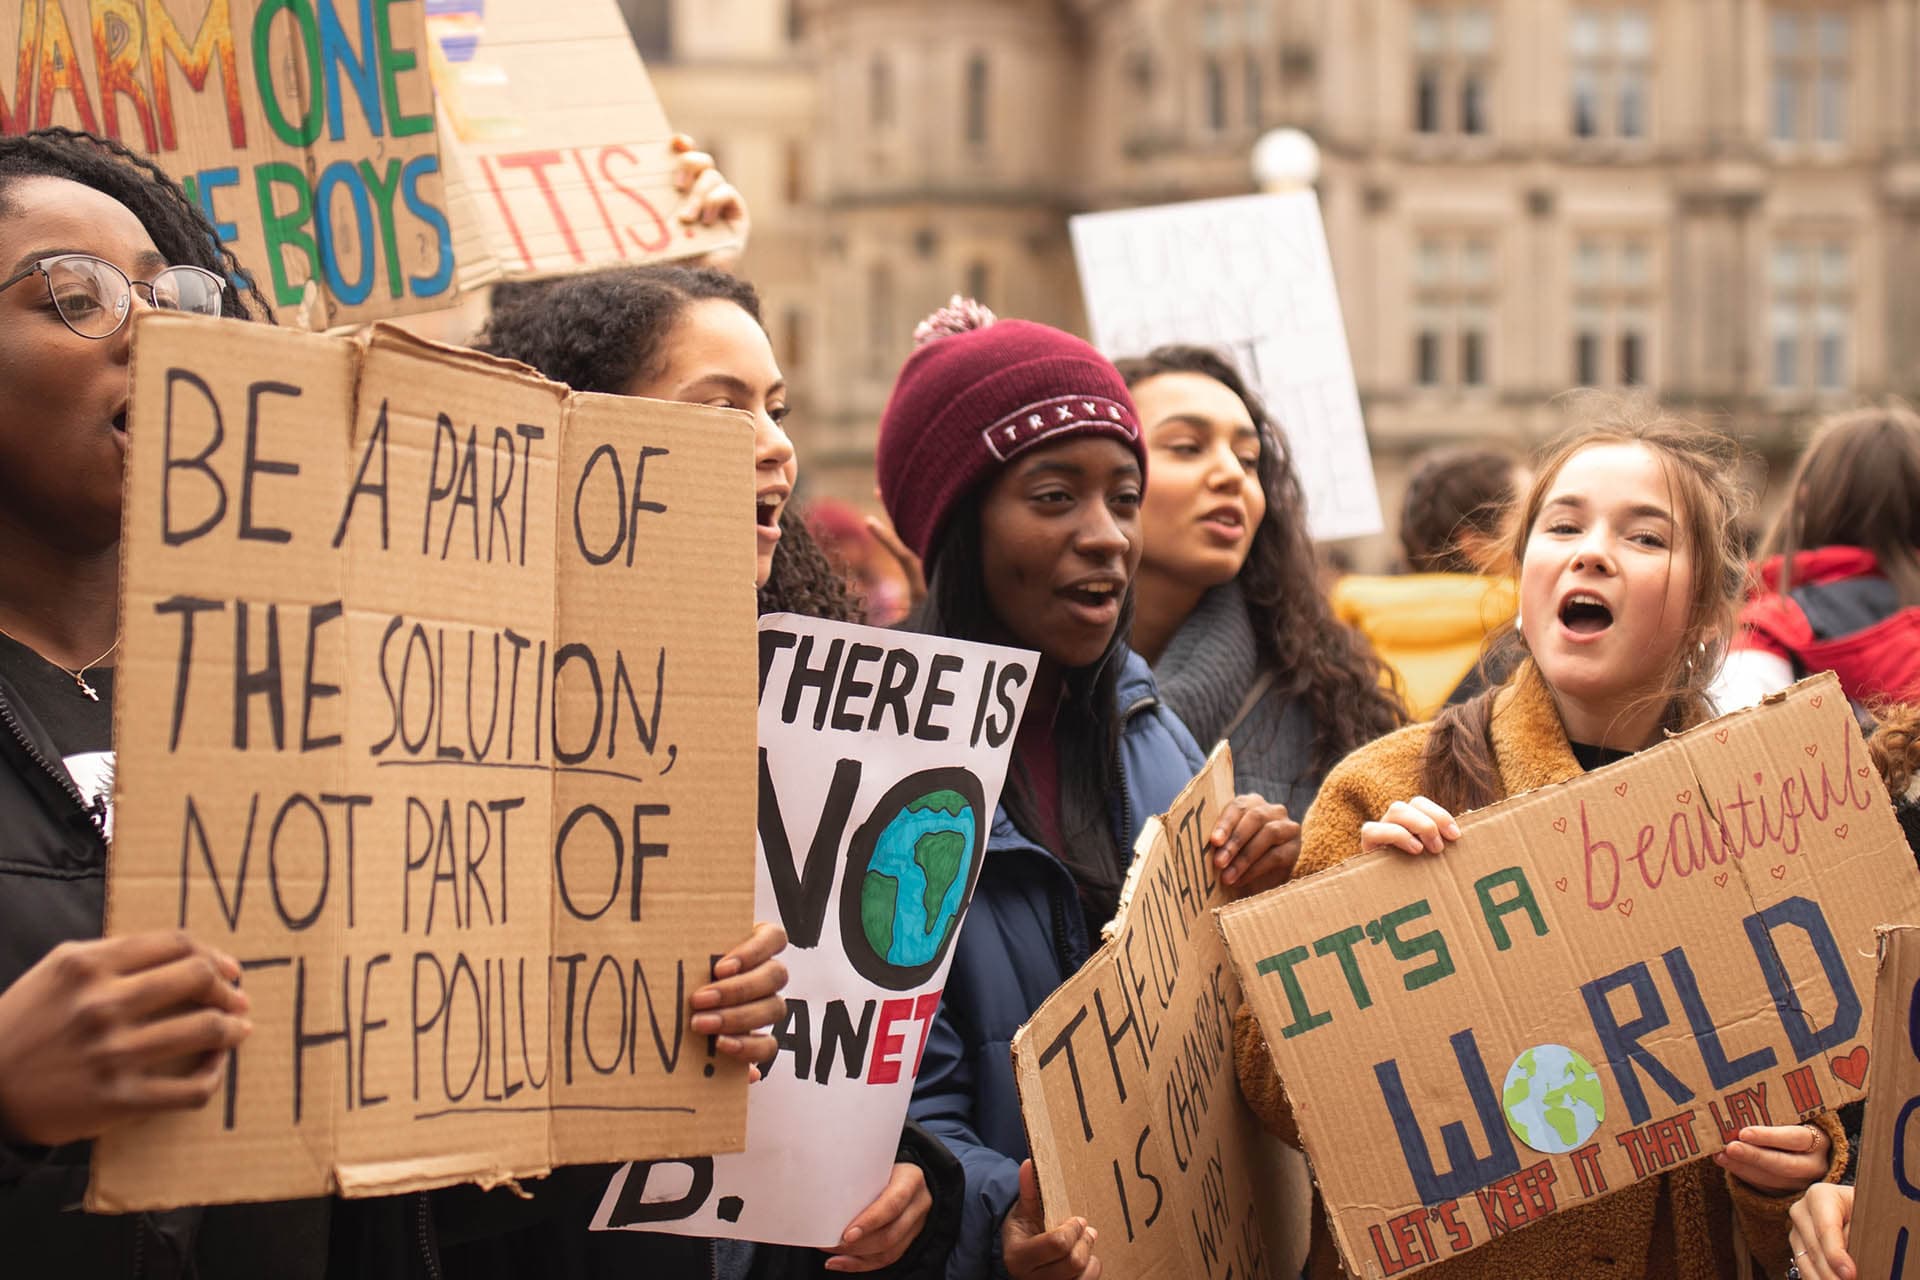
(1516,621)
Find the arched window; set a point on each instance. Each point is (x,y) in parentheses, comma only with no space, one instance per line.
(879,92)
(977,85)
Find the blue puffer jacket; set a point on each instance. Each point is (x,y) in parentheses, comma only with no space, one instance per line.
(1025,935)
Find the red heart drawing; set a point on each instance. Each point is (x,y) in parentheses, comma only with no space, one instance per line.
(1683,797)
(1817,700)
(1720,735)
(1620,788)
(1721,879)
(1780,872)
(1862,771)
(1559,824)
(1561,884)
(1626,907)
(1841,831)
(1853,1067)
(1812,748)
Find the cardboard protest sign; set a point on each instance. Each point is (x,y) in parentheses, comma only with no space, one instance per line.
(1884,1239)
(1126,1072)
(881,759)
(304,129)
(435,710)
(558,147)
(1600,981)
(1249,275)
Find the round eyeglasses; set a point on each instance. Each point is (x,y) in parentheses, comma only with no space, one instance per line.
(94,297)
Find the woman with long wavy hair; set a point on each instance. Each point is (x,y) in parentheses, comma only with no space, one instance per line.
(1242,643)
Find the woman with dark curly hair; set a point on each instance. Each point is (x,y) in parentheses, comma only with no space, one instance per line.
(94,1032)
(693,335)
(1243,645)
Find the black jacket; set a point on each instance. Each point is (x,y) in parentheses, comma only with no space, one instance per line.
(53,866)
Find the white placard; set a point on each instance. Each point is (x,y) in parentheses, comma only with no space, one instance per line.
(1251,276)
(882,754)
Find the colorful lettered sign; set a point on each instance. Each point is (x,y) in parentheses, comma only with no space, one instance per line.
(303,128)
(1599,982)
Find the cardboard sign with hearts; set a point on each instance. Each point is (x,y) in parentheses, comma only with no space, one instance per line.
(1471,1048)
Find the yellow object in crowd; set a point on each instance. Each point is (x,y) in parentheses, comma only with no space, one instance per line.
(1428,628)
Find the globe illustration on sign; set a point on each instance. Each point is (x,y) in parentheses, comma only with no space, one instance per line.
(1552,1099)
(917,877)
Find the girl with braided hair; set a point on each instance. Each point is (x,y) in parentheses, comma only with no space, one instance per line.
(93,1032)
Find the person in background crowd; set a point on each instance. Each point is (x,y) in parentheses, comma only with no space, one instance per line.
(1431,623)
(1227,611)
(1011,463)
(1628,564)
(693,334)
(849,540)
(1840,581)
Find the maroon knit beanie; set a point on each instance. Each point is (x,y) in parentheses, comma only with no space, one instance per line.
(975,394)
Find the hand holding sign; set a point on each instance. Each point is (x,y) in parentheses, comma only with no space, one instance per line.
(97,1032)
(1779,1159)
(744,998)
(711,201)
(886,1227)
(1413,826)
(1032,1252)
(1256,845)
(1819,1235)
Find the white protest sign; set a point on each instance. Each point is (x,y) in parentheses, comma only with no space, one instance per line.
(881,759)
(1250,276)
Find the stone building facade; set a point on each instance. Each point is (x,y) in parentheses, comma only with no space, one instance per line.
(1711,201)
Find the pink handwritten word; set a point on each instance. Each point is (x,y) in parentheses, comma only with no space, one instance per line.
(1693,836)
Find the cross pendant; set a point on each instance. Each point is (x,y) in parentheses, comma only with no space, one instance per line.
(86,688)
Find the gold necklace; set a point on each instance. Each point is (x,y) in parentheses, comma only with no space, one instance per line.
(79,677)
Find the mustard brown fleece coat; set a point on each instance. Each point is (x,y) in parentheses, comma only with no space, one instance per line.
(1677,1226)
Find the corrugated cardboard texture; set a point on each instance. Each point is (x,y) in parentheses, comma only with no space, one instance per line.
(1885,1234)
(458,760)
(1696,922)
(558,145)
(1126,1072)
(305,131)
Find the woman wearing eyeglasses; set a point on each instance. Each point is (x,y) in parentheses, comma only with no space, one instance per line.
(93,1032)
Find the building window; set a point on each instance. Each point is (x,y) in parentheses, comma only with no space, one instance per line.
(651,22)
(1453,311)
(1612,310)
(879,93)
(796,21)
(1452,68)
(793,339)
(881,338)
(1214,84)
(1610,51)
(1811,319)
(979,280)
(1808,96)
(977,100)
(796,172)
(1255,106)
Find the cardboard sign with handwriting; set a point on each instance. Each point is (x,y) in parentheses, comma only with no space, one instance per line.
(1885,1236)
(303,128)
(558,146)
(1126,1072)
(1600,981)
(435,709)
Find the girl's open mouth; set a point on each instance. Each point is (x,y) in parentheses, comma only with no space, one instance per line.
(1585,614)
